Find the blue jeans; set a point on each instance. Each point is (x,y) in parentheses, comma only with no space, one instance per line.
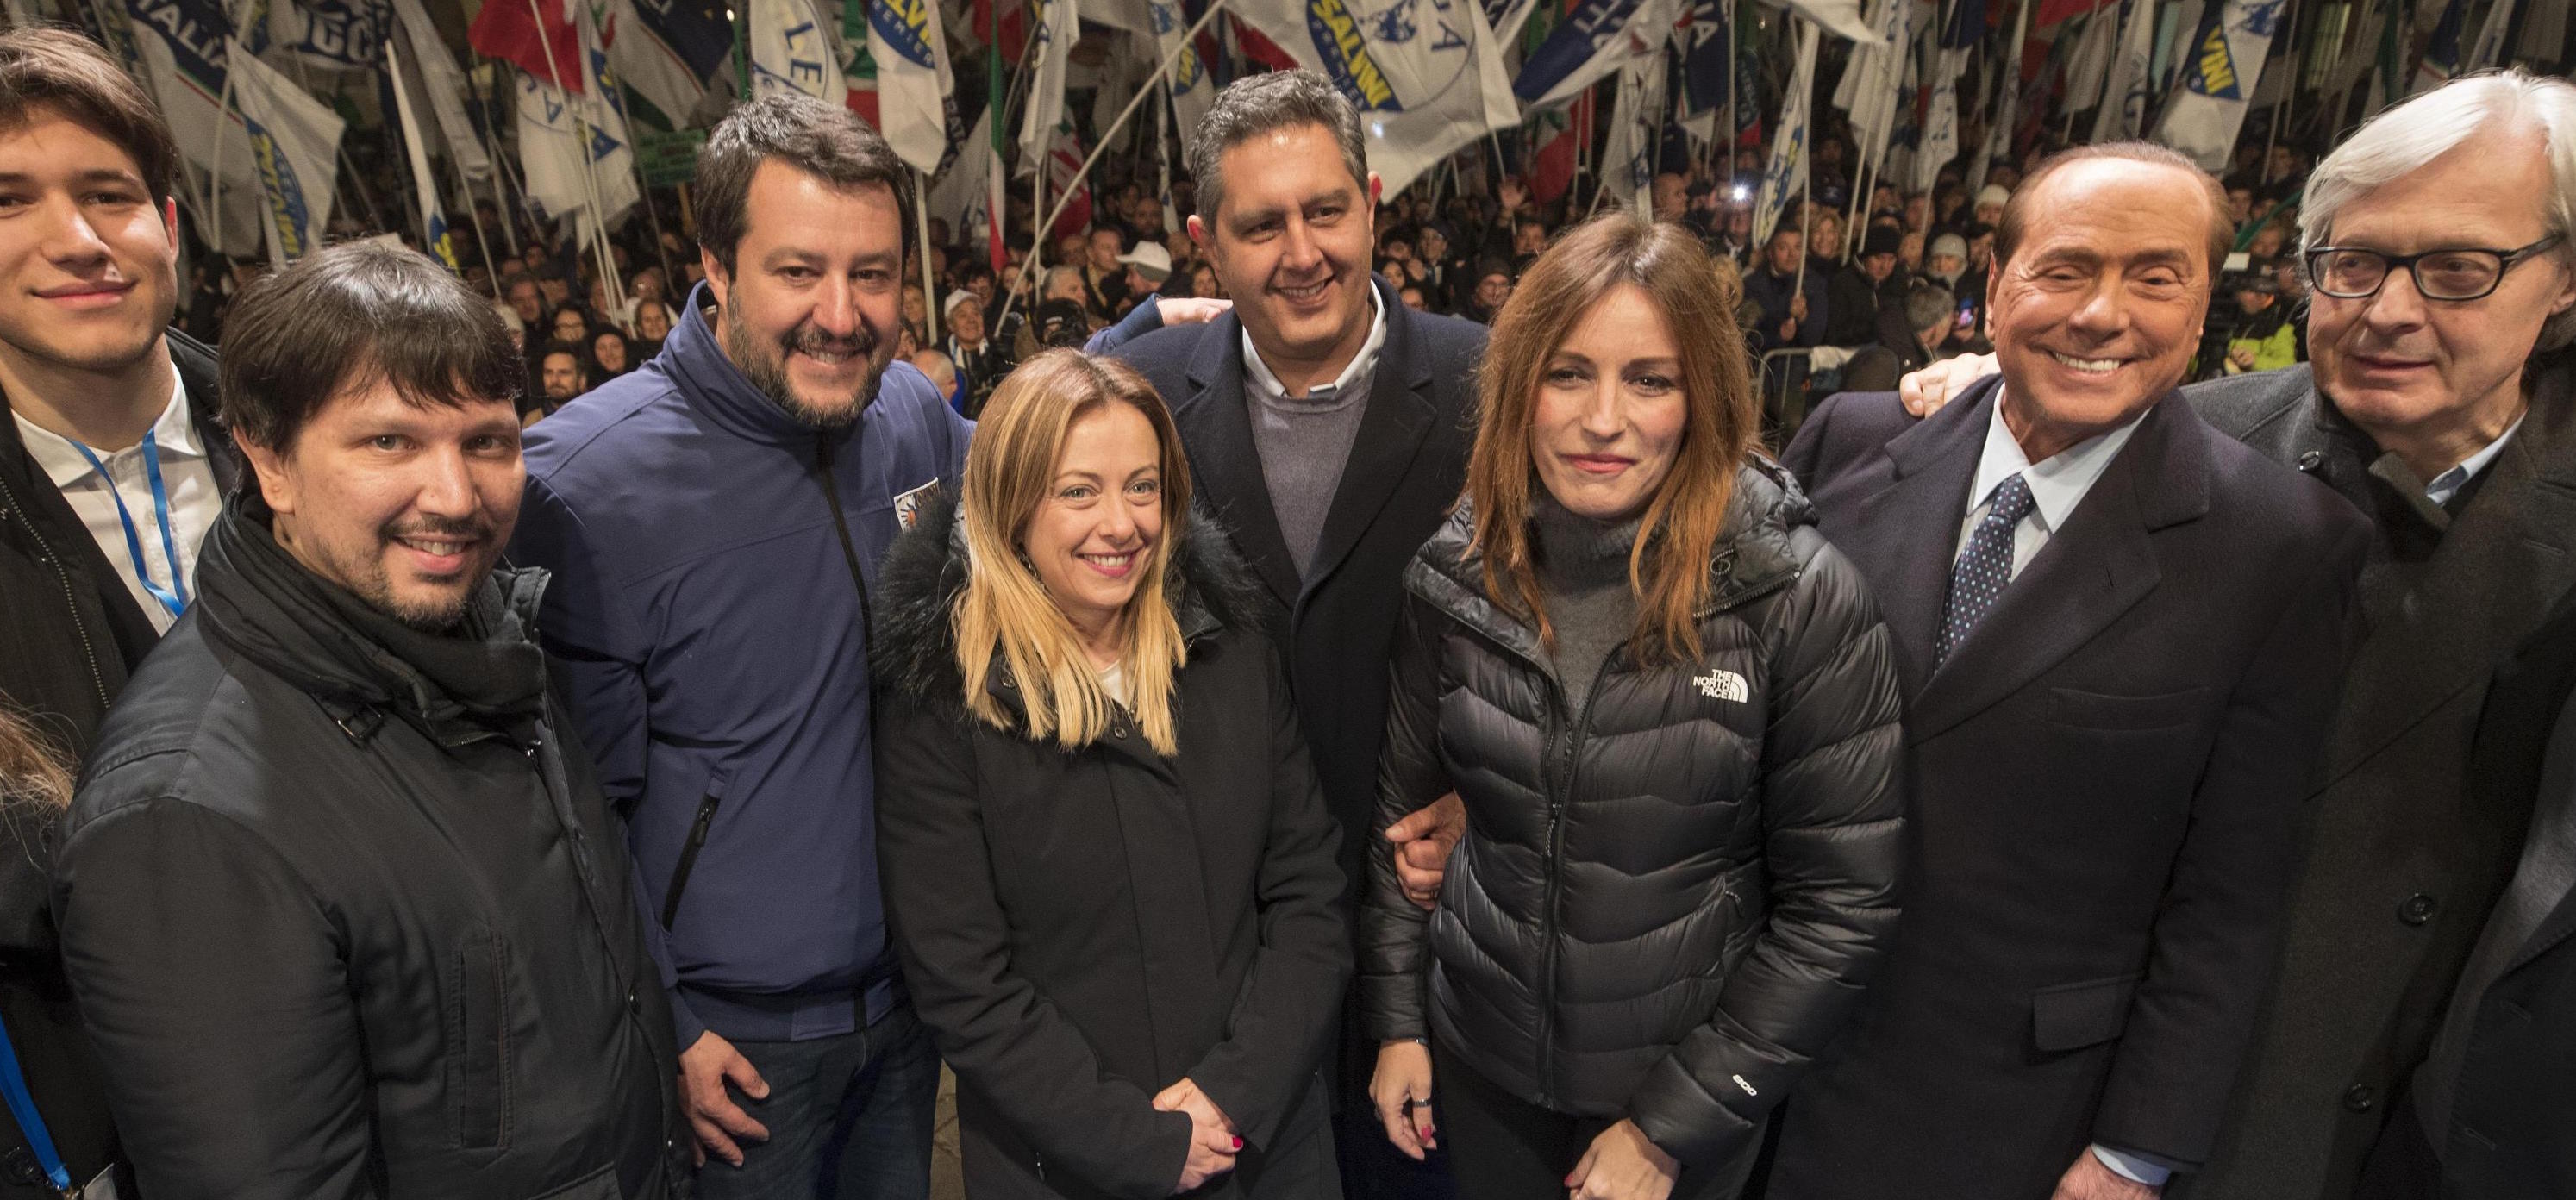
(849,1117)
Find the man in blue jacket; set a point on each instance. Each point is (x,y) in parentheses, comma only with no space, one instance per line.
(714,521)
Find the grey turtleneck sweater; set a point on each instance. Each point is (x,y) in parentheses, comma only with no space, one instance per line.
(1583,576)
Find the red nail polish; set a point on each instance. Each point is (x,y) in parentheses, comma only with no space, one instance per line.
(1238,1143)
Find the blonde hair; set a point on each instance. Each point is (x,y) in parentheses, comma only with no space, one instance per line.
(1004,610)
(1669,566)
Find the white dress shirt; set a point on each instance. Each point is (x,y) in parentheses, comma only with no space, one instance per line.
(2448,483)
(2057,484)
(187,477)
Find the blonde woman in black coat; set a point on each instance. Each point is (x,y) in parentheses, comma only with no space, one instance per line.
(1107,865)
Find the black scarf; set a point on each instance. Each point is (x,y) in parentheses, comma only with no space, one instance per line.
(487,670)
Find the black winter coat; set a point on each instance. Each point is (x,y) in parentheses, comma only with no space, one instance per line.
(1667,904)
(70,633)
(1082,929)
(348,916)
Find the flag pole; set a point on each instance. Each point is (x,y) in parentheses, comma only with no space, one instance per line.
(1152,85)
(500,169)
(581,133)
(921,218)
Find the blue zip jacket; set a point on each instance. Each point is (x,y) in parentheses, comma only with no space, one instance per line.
(713,646)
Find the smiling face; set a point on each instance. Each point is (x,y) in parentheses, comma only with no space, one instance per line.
(2402,366)
(1291,245)
(1610,412)
(811,310)
(2096,314)
(407,506)
(1092,537)
(88,255)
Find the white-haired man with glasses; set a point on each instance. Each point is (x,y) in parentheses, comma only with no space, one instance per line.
(2443,301)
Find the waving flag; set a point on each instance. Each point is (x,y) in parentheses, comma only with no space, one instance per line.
(539,38)
(443,85)
(179,48)
(295,142)
(1192,90)
(2441,55)
(343,34)
(1427,75)
(1059,24)
(1999,131)
(433,222)
(1940,120)
(2209,101)
(1787,172)
(574,147)
(667,50)
(2123,114)
(1870,86)
(915,109)
(2490,44)
(1595,38)
(791,51)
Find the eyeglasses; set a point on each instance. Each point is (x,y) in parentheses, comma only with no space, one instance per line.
(2355,273)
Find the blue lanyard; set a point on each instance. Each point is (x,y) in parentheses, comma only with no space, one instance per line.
(174,597)
(22,1107)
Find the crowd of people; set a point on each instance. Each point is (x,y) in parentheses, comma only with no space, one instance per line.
(1343,697)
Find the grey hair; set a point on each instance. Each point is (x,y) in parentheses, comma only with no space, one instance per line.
(1925,304)
(1259,104)
(2411,135)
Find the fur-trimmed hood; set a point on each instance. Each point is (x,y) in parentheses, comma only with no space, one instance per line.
(914,648)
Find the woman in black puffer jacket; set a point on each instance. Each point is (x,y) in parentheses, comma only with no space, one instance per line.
(1669,709)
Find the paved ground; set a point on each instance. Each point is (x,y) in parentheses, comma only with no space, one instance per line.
(945,1181)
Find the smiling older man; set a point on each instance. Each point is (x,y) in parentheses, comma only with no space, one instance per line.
(2118,677)
(2438,404)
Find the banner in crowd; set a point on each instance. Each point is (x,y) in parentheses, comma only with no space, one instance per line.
(1787,172)
(539,37)
(1940,120)
(915,108)
(574,147)
(2089,66)
(1065,178)
(339,34)
(179,48)
(433,221)
(792,51)
(1427,75)
(295,146)
(1871,84)
(1636,129)
(2209,101)
(1594,38)
(2123,114)
(442,85)
(970,191)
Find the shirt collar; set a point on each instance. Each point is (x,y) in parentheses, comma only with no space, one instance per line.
(2057,483)
(2448,483)
(1361,363)
(175,433)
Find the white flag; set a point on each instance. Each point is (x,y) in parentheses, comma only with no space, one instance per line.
(792,51)
(958,194)
(433,221)
(1941,121)
(1192,90)
(2209,101)
(2091,66)
(295,142)
(2123,114)
(575,149)
(443,85)
(1871,82)
(1628,161)
(2489,49)
(1787,172)
(646,61)
(914,105)
(1427,78)
(1058,25)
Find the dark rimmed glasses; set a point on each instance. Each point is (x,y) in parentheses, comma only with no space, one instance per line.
(2458,273)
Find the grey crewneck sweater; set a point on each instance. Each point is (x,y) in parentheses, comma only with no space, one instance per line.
(1583,577)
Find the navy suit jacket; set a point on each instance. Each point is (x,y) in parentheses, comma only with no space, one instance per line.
(2106,772)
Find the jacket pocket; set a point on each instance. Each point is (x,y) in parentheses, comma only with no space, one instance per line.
(2102,710)
(478,1042)
(2071,1016)
(697,841)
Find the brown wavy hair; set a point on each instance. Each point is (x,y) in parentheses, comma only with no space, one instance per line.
(33,770)
(1668,568)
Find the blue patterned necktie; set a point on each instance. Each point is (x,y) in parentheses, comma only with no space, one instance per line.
(1978,579)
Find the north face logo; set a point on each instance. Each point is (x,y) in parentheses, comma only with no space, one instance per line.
(1723,685)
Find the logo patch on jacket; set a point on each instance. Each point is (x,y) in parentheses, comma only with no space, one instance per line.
(1723,685)
(907,507)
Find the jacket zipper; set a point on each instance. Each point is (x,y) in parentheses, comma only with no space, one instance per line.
(841,525)
(1558,796)
(71,599)
(688,860)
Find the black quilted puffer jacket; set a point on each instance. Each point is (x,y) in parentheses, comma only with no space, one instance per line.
(1668,903)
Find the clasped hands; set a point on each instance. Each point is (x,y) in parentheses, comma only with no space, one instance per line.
(1213,1140)
(1621,1164)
